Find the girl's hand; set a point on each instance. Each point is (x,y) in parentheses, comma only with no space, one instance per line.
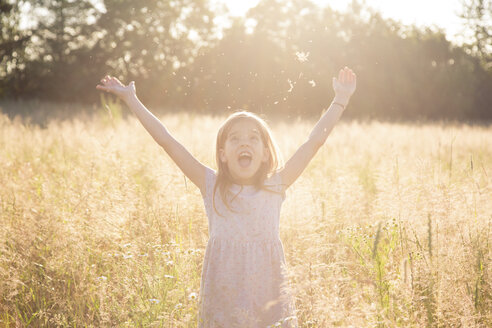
(344,86)
(114,86)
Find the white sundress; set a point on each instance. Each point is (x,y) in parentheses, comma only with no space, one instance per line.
(244,277)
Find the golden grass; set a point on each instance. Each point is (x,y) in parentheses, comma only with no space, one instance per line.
(389,226)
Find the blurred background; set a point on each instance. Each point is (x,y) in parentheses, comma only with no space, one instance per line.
(414,61)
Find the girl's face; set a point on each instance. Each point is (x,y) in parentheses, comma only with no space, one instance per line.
(243,152)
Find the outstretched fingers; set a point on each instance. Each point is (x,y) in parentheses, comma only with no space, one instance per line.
(352,77)
(346,83)
(103,88)
(104,84)
(104,81)
(346,76)
(108,83)
(341,76)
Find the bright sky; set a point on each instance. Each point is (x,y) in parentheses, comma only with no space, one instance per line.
(441,13)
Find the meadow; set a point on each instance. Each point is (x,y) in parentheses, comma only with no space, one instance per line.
(389,226)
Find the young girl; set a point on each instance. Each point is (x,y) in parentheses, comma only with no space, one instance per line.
(243,278)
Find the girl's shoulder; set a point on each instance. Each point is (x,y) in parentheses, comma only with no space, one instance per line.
(274,179)
(209,172)
(210,178)
(274,183)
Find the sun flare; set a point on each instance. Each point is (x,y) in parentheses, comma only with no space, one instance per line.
(418,12)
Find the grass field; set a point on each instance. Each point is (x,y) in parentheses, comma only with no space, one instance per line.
(389,226)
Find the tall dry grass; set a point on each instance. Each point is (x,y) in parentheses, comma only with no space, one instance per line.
(389,226)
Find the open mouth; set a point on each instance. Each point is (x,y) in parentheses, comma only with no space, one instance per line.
(245,158)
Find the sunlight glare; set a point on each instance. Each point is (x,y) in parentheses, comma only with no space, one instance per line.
(440,13)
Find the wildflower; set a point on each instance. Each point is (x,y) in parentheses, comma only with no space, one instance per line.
(168,276)
(154,301)
(178,306)
(102,278)
(127,256)
(192,296)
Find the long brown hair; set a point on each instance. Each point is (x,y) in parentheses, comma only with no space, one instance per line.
(266,170)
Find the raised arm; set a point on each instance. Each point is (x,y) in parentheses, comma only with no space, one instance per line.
(344,87)
(190,166)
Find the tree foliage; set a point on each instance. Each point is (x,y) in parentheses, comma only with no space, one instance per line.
(12,43)
(279,58)
(478,17)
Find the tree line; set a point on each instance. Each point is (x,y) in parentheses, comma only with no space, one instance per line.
(279,58)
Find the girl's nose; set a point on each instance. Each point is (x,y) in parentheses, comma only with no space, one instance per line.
(244,142)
